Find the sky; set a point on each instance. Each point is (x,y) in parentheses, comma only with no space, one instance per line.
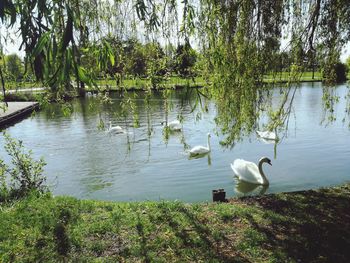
(345,52)
(14,41)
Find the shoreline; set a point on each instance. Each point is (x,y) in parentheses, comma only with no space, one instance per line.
(303,226)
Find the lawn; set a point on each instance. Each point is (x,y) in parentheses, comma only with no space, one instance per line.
(143,83)
(284,77)
(309,226)
(173,81)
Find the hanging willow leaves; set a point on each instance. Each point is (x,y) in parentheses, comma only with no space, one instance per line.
(141,9)
(68,32)
(238,42)
(240,36)
(42,43)
(8,10)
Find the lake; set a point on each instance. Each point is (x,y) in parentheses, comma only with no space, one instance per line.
(145,163)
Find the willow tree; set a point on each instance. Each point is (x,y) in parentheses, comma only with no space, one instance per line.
(244,34)
(239,40)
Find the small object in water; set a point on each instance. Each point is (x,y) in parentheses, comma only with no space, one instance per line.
(250,172)
(115,129)
(267,135)
(199,149)
(219,195)
(174,125)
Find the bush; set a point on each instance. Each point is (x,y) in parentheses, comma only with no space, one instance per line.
(341,72)
(335,73)
(24,175)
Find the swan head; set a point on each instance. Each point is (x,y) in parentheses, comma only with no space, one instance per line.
(265,160)
(208,134)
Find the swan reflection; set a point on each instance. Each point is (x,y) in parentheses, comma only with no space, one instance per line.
(266,141)
(198,156)
(244,188)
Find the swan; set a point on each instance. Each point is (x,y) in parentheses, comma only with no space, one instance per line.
(267,135)
(249,172)
(199,149)
(174,125)
(115,129)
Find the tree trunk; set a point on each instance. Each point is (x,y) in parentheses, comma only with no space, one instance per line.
(3,86)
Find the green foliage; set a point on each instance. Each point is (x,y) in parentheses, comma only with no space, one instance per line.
(301,226)
(341,72)
(14,68)
(238,39)
(23,175)
(347,63)
(184,60)
(237,44)
(336,72)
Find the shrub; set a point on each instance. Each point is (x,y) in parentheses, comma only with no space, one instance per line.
(25,173)
(335,73)
(341,72)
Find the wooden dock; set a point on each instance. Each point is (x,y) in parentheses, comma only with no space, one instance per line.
(15,111)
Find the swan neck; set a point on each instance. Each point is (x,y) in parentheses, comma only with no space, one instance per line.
(208,143)
(265,181)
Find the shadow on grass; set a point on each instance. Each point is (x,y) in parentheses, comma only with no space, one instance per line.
(143,240)
(309,226)
(198,238)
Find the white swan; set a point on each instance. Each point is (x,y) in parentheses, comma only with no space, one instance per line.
(174,125)
(249,172)
(267,135)
(115,129)
(199,149)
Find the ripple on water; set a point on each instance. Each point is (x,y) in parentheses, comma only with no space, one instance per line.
(86,162)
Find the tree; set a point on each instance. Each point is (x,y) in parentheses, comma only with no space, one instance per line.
(347,63)
(136,60)
(239,39)
(185,58)
(2,78)
(14,67)
(341,72)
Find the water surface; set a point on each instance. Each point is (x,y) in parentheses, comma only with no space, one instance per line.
(86,162)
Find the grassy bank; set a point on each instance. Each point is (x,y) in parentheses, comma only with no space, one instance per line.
(281,77)
(310,226)
(173,81)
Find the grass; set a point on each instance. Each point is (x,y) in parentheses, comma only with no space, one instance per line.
(309,226)
(173,81)
(13,85)
(284,77)
(142,83)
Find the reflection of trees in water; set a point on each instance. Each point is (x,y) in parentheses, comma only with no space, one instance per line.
(237,111)
(279,118)
(347,107)
(240,110)
(329,99)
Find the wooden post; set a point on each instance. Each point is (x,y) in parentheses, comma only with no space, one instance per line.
(219,195)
